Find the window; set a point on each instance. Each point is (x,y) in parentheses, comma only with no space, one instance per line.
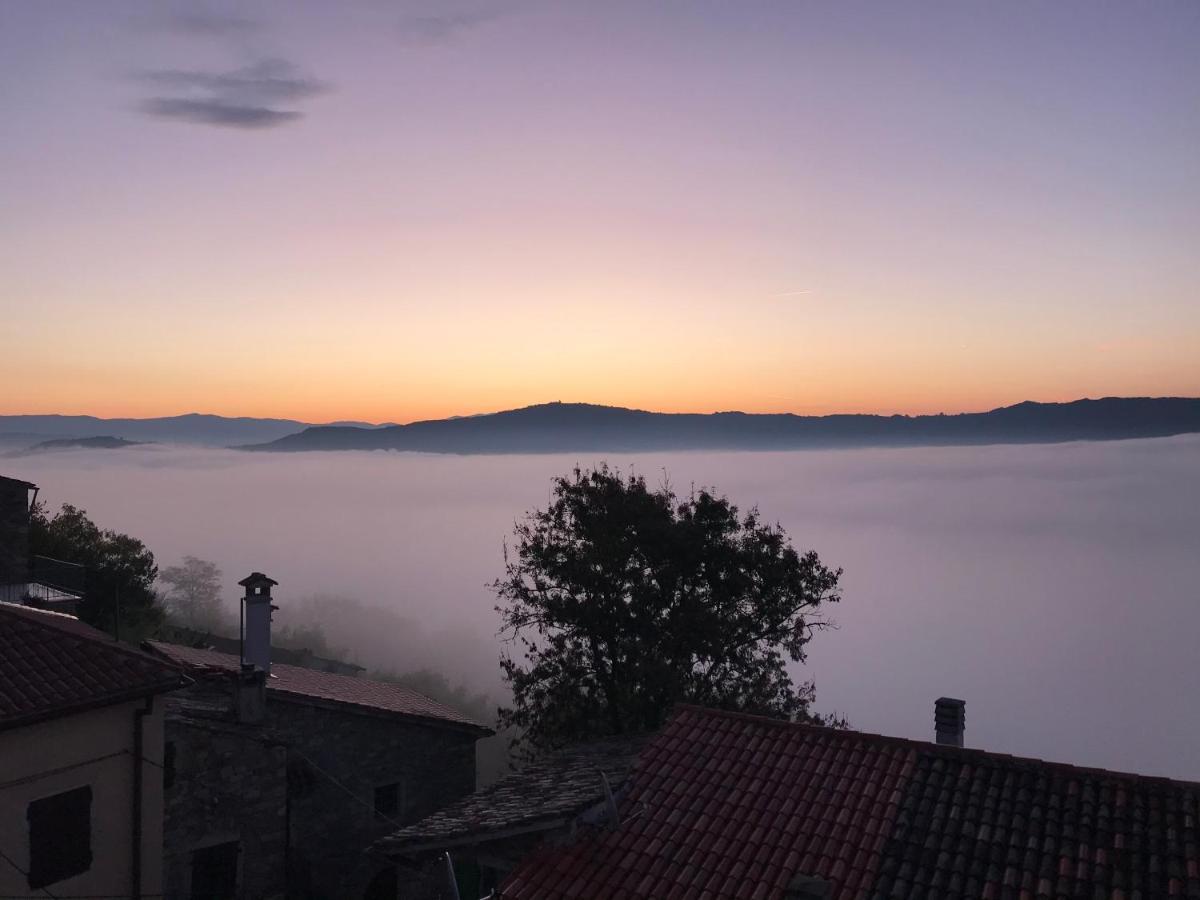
(387,801)
(215,871)
(168,764)
(384,886)
(301,778)
(60,836)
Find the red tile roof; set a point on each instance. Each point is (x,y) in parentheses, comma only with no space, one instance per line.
(312,684)
(724,805)
(52,665)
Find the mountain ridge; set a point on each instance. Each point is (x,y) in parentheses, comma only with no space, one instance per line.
(204,429)
(566,427)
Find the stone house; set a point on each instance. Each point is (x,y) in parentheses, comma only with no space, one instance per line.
(81,755)
(279,776)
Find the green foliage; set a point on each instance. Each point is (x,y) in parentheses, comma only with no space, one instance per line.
(624,601)
(119,569)
(193,595)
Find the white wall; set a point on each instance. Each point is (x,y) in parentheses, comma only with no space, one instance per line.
(92,748)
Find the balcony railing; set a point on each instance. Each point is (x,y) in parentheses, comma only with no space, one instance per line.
(52,583)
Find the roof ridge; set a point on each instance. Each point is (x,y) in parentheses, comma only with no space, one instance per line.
(931,746)
(436,710)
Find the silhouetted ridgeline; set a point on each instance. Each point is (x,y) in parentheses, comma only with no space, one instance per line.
(100,442)
(193,428)
(559,427)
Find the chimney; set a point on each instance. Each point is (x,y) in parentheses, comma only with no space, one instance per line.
(15,509)
(950,720)
(808,887)
(256,627)
(251,694)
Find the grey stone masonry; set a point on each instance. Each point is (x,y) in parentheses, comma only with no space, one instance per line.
(14,530)
(305,791)
(223,782)
(341,759)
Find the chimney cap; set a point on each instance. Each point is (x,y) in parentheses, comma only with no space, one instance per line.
(254,579)
(949,721)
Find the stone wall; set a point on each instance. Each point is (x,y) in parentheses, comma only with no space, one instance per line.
(229,783)
(301,786)
(339,759)
(14,532)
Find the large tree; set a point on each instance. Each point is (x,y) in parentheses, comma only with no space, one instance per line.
(622,600)
(119,569)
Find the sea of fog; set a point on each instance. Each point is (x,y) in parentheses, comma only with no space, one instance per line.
(1055,588)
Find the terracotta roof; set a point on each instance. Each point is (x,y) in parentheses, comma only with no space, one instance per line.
(311,684)
(53,665)
(544,794)
(728,805)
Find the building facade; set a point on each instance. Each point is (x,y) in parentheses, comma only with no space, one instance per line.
(81,754)
(281,776)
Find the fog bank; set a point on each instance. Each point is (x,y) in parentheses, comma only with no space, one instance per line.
(1055,588)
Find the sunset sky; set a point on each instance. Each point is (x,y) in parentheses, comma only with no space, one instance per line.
(393,211)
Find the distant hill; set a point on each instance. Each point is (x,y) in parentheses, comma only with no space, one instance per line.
(565,427)
(194,428)
(100,442)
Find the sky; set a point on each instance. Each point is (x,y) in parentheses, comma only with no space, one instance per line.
(394,211)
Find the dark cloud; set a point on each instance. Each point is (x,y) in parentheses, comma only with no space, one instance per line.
(216,112)
(250,97)
(444,26)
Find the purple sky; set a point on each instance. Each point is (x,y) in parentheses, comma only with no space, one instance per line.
(388,210)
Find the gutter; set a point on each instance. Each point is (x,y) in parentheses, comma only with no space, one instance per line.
(95,703)
(139,728)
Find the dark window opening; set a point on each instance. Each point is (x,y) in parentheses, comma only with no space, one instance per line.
(384,886)
(60,836)
(168,764)
(214,872)
(301,778)
(387,800)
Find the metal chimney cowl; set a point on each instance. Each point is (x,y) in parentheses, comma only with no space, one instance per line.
(257,609)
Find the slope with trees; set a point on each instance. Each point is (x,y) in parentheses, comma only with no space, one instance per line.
(120,571)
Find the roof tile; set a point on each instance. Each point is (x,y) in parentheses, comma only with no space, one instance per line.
(750,803)
(52,664)
(301,682)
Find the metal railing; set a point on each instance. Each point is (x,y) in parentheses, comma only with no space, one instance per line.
(51,582)
(69,577)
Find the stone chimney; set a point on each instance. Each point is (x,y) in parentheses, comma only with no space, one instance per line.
(251,697)
(256,625)
(14,530)
(950,720)
(808,887)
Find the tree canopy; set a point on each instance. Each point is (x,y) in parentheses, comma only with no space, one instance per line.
(120,570)
(193,594)
(621,601)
